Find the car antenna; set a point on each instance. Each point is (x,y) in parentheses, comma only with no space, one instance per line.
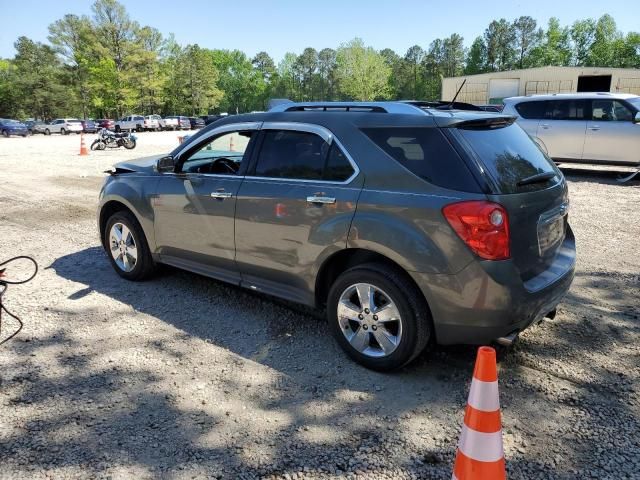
(450,106)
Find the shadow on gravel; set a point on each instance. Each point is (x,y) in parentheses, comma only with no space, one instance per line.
(318,388)
(606,177)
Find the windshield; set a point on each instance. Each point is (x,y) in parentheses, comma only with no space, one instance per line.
(635,102)
(510,156)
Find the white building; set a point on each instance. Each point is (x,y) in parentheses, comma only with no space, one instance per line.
(492,87)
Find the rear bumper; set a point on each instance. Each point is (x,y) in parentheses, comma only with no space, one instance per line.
(489,300)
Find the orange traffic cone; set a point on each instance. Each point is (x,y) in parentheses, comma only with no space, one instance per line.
(231,146)
(83,147)
(480,455)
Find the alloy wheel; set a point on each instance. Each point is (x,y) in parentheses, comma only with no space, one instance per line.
(123,247)
(370,320)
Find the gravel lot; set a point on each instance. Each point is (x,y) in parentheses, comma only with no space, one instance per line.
(185,377)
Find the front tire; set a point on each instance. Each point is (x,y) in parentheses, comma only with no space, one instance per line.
(47,132)
(5,133)
(378,316)
(129,143)
(127,248)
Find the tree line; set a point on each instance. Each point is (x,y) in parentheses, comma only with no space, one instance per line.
(108,65)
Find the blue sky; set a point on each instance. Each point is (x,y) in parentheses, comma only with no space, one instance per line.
(279,26)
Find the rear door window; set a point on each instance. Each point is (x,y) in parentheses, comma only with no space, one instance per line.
(427,153)
(567,109)
(531,110)
(301,155)
(510,156)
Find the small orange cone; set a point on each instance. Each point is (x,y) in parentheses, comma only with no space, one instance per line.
(83,147)
(480,454)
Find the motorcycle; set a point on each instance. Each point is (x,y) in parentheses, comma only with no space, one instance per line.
(109,139)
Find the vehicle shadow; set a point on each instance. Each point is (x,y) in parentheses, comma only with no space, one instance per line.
(598,175)
(134,420)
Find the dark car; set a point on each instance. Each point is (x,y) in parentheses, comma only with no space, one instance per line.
(196,123)
(105,123)
(35,126)
(407,225)
(89,126)
(10,127)
(208,119)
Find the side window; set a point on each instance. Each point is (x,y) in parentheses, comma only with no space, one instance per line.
(221,156)
(292,154)
(338,168)
(610,111)
(567,110)
(531,110)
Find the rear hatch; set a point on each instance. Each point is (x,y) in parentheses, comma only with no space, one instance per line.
(521,178)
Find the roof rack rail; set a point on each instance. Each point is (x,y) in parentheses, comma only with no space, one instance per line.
(372,107)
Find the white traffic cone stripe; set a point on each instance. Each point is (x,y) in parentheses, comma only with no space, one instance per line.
(484,396)
(453,476)
(483,447)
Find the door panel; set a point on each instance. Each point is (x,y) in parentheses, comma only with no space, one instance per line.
(564,139)
(280,235)
(194,226)
(612,136)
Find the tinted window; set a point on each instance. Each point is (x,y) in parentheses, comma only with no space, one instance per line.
(289,154)
(509,155)
(337,167)
(531,110)
(567,110)
(427,153)
(635,102)
(610,111)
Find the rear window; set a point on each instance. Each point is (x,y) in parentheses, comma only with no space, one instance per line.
(426,153)
(510,156)
(531,110)
(567,110)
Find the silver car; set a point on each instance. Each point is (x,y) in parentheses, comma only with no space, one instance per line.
(582,127)
(63,126)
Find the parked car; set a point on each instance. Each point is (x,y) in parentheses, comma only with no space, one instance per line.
(196,123)
(156,122)
(491,108)
(63,126)
(89,126)
(10,127)
(583,127)
(183,123)
(458,235)
(35,126)
(106,123)
(171,123)
(137,123)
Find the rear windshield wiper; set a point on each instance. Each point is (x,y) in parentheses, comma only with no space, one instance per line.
(537,178)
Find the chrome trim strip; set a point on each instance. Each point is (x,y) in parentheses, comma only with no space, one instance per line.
(390,107)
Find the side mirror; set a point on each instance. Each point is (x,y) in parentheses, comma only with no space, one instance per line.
(166,164)
(636,119)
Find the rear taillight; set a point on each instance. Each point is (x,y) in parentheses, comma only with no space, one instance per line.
(483,226)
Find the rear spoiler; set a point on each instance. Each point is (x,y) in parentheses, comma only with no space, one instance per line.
(488,122)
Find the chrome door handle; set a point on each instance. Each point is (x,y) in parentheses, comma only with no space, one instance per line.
(545,126)
(594,128)
(221,194)
(319,199)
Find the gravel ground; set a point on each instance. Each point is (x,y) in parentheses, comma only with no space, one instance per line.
(185,377)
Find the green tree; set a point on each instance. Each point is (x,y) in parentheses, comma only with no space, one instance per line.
(243,86)
(526,37)
(582,35)
(555,48)
(499,39)
(413,60)
(326,73)
(476,57)
(452,56)
(602,52)
(362,72)
(306,66)
(74,39)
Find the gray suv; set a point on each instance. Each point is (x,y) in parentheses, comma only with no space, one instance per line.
(408,225)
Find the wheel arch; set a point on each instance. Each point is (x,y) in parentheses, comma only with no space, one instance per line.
(113,205)
(348,258)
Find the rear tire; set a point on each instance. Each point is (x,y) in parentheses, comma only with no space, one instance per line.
(392,288)
(47,131)
(129,143)
(124,222)
(63,131)
(5,133)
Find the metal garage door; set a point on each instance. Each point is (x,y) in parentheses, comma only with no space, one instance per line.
(500,88)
